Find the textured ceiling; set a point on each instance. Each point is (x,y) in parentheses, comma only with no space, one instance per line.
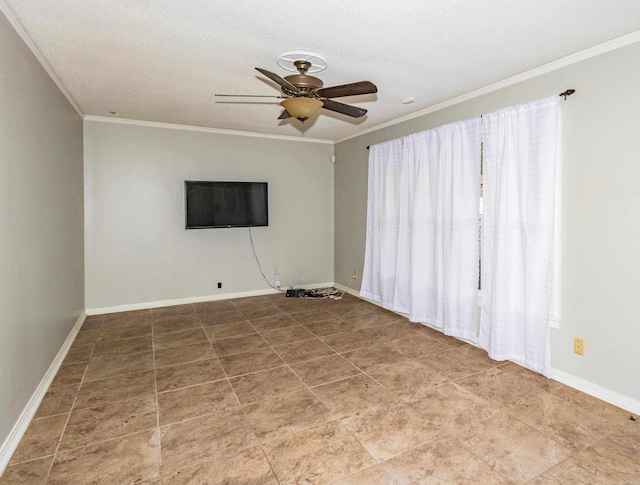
(162,60)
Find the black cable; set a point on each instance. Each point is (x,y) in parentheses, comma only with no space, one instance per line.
(260,267)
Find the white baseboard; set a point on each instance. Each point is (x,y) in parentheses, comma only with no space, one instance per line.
(194,299)
(20,427)
(595,390)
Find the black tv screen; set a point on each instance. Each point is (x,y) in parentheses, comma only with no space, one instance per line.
(225,204)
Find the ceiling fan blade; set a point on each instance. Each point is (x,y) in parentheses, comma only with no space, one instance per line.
(362,87)
(284,115)
(345,109)
(246,96)
(284,84)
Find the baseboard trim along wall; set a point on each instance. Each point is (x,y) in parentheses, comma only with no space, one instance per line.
(20,427)
(196,299)
(570,380)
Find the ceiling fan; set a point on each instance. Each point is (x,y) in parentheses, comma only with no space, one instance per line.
(304,94)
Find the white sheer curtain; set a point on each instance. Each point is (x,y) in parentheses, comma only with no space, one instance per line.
(421,253)
(519,171)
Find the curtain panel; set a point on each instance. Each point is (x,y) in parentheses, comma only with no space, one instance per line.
(422,248)
(520,150)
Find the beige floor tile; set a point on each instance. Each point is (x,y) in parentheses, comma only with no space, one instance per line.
(181,337)
(439,462)
(69,374)
(297,305)
(513,449)
(78,354)
(121,347)
(391,429)
(92,322)
(213,306)
(408,380)
(367,319)
(454,364)
(618,452)
(130,459)
(57,400)
(40,439)
(329,327)
(481,355)
(283,415)
(174,310)
(86,337)
(248,467)
(324,370)
(113,365)
(247,362)
(317,455)
(236,345)
(501,422)
(446,339)
(374,475)
(195,401)
(356,339)
(200,439)
(592,404)
(109,420)
(191,374)
(311,316)
(507,389)
(27,473)
(183,354)
(265,384)
(452,408)
(574,427)
(225,330)
(349,309)
(175,323)
(579,468)
(373,358)
(99,392)
(352,395)
(109,332)
(303,350)
(260,311)
(221,317)
(250,301)
(128,318)
(281,336)
(271,323)
(418,346)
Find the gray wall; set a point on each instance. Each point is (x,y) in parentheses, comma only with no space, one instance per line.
(137,248)
(41,216)
(600,216)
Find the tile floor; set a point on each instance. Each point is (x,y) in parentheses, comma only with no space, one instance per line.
(270,390)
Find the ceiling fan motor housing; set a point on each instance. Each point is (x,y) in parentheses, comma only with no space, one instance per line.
(303,80)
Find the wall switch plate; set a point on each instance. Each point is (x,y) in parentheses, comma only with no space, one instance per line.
(277,279)
(578,346)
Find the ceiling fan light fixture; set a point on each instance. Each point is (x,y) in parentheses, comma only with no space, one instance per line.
(302,108)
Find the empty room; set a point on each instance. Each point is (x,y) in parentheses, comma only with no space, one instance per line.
(319,242)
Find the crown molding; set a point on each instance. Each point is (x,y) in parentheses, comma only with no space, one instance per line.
(538,71)
(15,23)
(221,131)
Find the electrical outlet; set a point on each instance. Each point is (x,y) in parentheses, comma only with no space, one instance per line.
(219,285)
(578,346)
(355,274)
(277,279)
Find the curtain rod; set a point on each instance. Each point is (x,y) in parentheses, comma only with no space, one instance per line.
(566,93)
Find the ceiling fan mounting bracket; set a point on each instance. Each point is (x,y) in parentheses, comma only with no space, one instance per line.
(287,61)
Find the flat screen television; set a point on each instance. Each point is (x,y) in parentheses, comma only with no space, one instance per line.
(225,204)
